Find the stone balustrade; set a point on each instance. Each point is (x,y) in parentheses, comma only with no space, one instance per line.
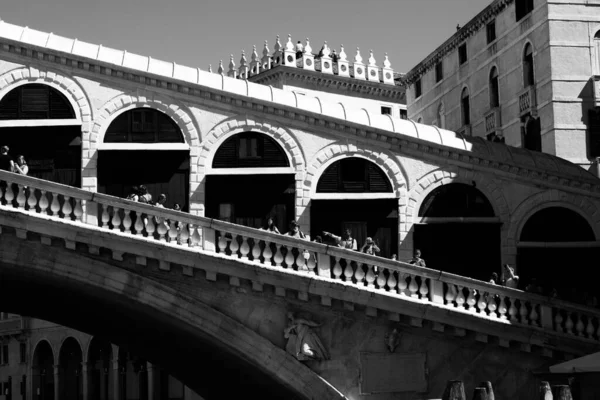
(527,100)
(378,275)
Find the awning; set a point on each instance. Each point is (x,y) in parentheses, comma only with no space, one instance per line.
(589,363)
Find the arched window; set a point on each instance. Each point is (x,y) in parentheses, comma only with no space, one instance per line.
(143,125)
(465,107)
(597,47)
(353,175)
(528,73)
(494,90)
(441,116)
(533,134)
(542,227)
(250,150)
(35,101)
(456,200)
(420,120)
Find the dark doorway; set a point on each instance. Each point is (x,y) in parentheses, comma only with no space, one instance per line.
(43,372)
(532,133)
(70,365)
(100,369)
(160,171)
(249,199)
(374,218)
(52,153)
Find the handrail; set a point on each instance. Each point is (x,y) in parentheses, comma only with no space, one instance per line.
(398,278)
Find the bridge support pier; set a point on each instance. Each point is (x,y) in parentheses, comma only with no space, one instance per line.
(85,376)
(151,381)
(116,395)
(57,381)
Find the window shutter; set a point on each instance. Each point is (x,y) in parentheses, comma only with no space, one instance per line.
(378,182)
(35,102)
(226,156)
(60,108)
(9,105)
(273,155)
(328,183)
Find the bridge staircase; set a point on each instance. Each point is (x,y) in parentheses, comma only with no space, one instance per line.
(337,277)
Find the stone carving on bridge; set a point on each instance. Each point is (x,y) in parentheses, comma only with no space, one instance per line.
(303,342)
(392,340)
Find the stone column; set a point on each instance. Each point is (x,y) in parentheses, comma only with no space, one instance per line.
(116,378)
(151,382)
(57,381)
(85,376)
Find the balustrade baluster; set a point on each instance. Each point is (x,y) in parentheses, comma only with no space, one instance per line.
(381,279)
(370,276)
(523,312)
(244,248)
(127,221)
(43,203)
(9,196)
(337,269)
(460,297)
(55,205)
(173,232)
(558,321)
(105,215)
(502,309)
(413,288)
(278,257)
(161,227)
(512,311)
(66,208)
(482,303)
(391,281)
(234,246)
(150,226)
(569,323)
(222,244)
(579,327)
(78,210)
(138,226)
(32,200)
(360,274)
(21,198)
(182,234)
(267,253)
(491,305)
(424,288)
(289,257)
(312,264)
(451,294)
(402,285)
(348,271)
(116,219)
(194,235)
(471,300)
(256,251)
(589,327)
(301,261)
(534,315)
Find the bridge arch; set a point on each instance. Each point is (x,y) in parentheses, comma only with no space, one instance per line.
(99,285)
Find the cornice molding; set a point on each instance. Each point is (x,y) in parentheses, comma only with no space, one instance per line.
(470,28)
(400,144)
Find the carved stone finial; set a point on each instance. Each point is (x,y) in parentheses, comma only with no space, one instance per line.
(303,342)
(254,54)
(386,62)
(326,51)
(277,47)
(372,62)
(266,50)
(342,56)
(392,340)
(289,46)
(221,70)
(307,48)
(231,64)
(357,58)
(243,60)
(210,68)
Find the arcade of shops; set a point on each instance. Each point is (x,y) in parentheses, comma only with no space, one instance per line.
(251,178)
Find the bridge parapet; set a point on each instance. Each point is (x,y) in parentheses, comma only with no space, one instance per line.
(449,294)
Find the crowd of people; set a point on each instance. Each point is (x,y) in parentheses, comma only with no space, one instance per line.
(18,165)
(140,194)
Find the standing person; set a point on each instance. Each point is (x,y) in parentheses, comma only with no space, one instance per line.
(493,279)
(510,279)
(270,226)
(135,194)
(346,241)
(370,247)
(417,260)
(6,163)
(295,231)
(176,207)
(162,199)
(144,196)
(299,49)
(20,166)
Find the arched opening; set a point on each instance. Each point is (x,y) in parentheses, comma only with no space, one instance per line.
(494,89)
(39,123)
(597,48)
(465,109)
(354,193)
(458,232)
(133,376)
(43,372)
(70,378)
(144,146)
(532,134)
(528,68)
(250,180)
(557,247)
(100,370)
(441,116)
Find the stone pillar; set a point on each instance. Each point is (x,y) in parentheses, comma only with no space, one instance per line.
(116,378)
(209,239)
(103,380)
(57,381)
(85,377)
(90,213)
(324,265)
(436,291)
(151,382)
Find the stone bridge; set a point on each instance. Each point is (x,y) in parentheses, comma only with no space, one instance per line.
(208,300)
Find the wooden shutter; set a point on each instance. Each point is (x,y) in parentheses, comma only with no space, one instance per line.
(60,108)
(273,154)
(378,182)
(328,183)
(35,102)
(9,105)
(226,156)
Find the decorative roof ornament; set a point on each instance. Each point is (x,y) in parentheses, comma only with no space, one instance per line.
(243,61)
(386,62)
(307,48)
(342,56)
(266,50)
(221,70)
(277,47)
(372,61)
(210,68)
(231,64)
(289,46)
(357,58)
(326,51)
(254,55)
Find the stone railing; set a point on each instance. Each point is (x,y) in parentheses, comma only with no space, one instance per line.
(392,278)
(492,120)
(527,101)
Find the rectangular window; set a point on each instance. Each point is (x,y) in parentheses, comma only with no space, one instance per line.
(462,54)
(418,89)
(403,114)
(523,8)
(439,71)
(5,354)
(386,110)
(23,352)
(491,31)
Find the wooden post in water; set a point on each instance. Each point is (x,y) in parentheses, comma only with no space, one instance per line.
(480,394)
(562,392)
(488,388)
(455,390)
(545,392)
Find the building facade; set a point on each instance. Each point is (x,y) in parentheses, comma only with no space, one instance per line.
(522,73)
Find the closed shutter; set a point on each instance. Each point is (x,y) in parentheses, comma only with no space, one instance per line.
(378,182)
(226,156)
(273,155)
(328,183)
(35,102)
(168,132)
(9,105)
(594,132)
(60,108)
